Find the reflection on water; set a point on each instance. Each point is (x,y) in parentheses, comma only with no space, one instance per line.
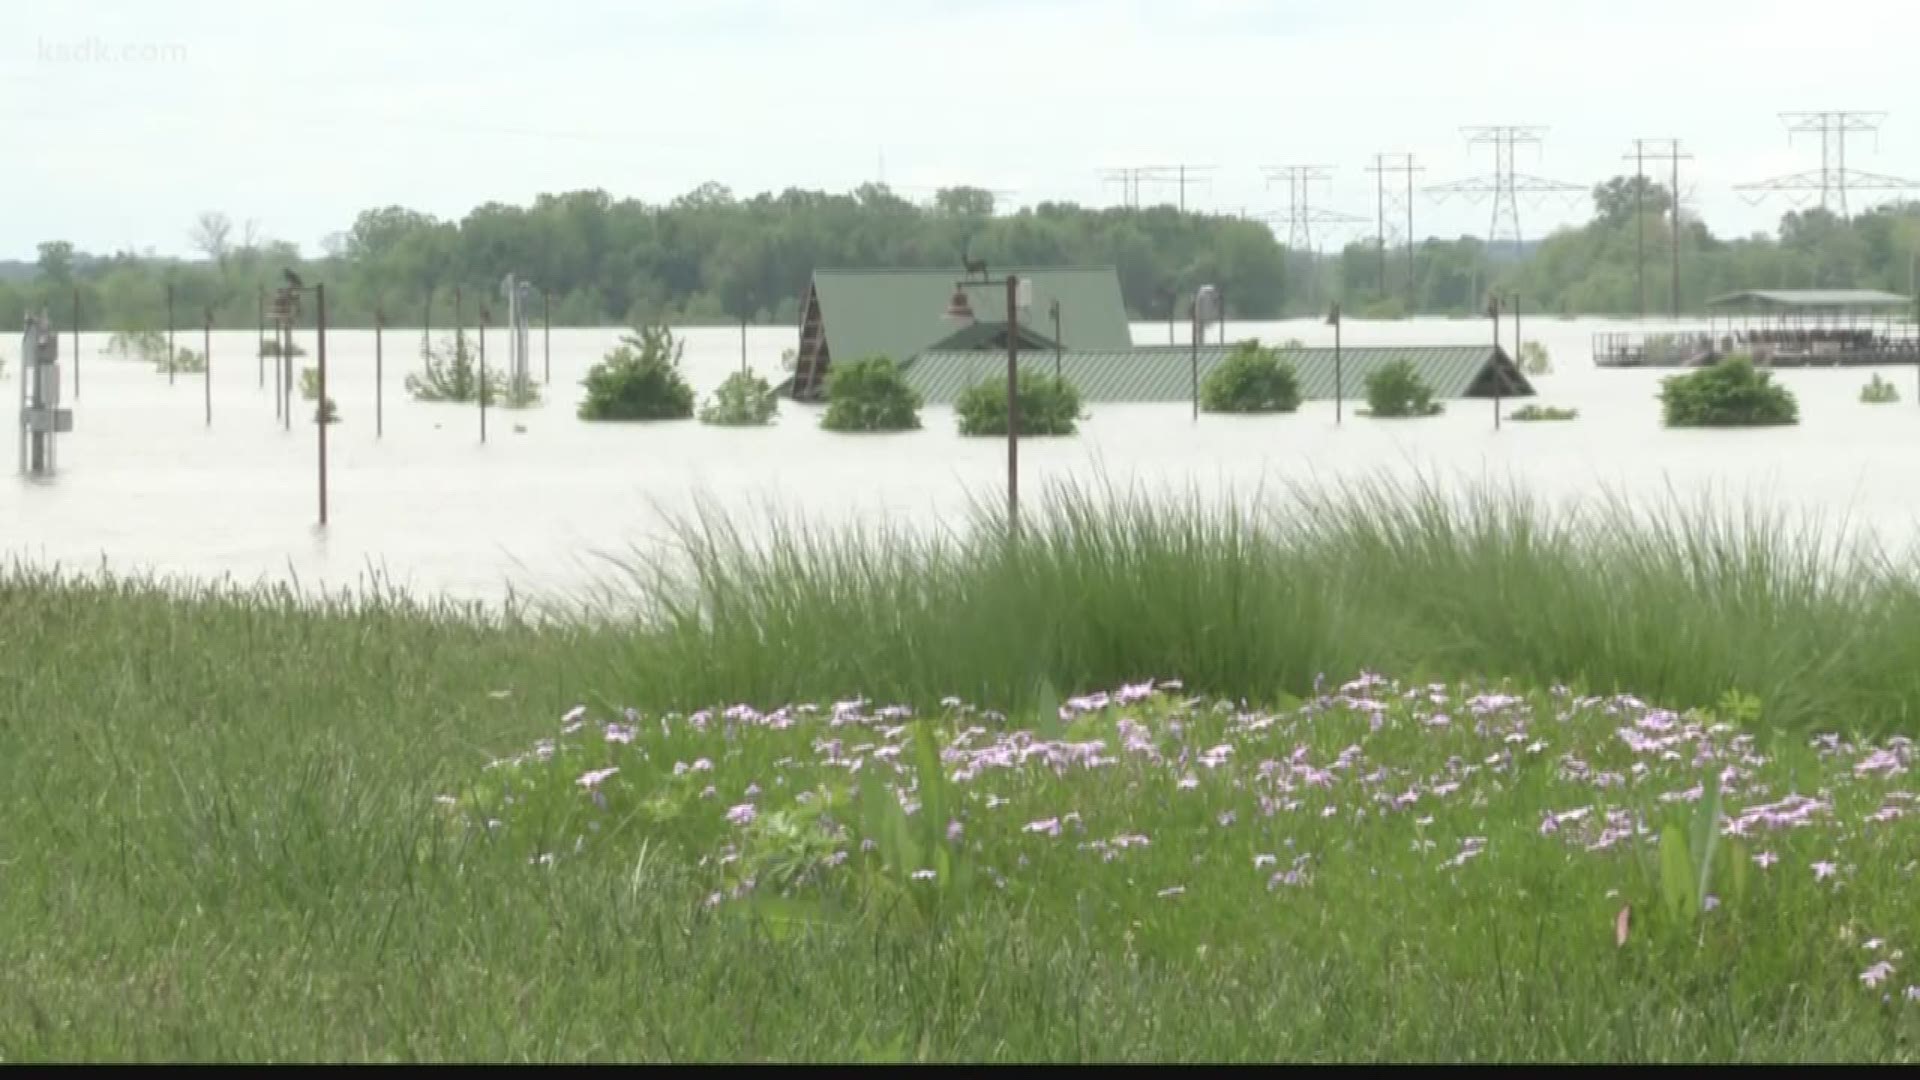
(145,484)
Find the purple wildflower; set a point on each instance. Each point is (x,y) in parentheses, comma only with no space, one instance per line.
(1823,870)
(922,875)
(1171,892)
(591,780)
(1765,859)
(742,814)
(1877,974)
(1048,826)
(954,830)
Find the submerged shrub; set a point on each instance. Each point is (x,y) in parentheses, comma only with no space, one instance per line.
(1048,406)
(1730,393)
(1396,391)
(870,394)
(743,400)
(450,372)
(1534,359)
(270,347)
(639,380)
(1879,391)
(1543,412)
(1252,379)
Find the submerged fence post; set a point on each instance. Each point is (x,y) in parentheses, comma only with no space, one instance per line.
(483,374)
(320,409)
(379,374)
(76,343)
(206,364)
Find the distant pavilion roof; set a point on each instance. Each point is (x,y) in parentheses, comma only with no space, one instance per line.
(1812,298)
(1164,373)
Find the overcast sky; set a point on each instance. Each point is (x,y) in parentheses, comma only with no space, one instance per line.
(125,118)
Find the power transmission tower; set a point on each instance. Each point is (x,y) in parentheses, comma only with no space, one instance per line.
(1507,183)
(1832,179)
(1131,177)
(1390,198)
(1656,150)
(1301,216)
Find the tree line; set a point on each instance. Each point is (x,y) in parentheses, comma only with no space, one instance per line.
(709,257)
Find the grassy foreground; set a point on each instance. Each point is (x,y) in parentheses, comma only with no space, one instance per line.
(243,826)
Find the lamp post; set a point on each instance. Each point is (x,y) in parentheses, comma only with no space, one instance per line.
(379,372)
(286,305)
(484,314)
(206,364)
(76,343)
(1499,375)
(1053,309)
(1339,376)
(960,309)
(1203,299)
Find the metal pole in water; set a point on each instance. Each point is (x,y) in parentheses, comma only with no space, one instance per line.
(320,413)
(76,343)
(546,336)
(169,333)
(1013,405)
(206,365)
(259,347)
(483,375)
(379,374)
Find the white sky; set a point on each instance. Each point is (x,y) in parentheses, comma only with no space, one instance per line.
(125,118)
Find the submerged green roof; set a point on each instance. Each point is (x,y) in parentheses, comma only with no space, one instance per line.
(898,313)
(1165,372)
(1812,298)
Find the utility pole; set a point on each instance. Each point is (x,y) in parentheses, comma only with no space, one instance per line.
(1384,200)
(1301,216)
(1668,150)
(1132,176)
(1507,183)
(1832,179)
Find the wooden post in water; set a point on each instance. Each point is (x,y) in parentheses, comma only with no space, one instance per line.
(259,346)
(76,343)
(546,336)
(379,374)
(1013,406)
(206,365)
(483,374)
(320,409)
(169,333)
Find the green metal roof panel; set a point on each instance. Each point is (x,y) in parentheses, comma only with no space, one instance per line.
(1165,373)
(1827,298)
(898,313)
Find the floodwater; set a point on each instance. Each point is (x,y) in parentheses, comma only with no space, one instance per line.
(146,484)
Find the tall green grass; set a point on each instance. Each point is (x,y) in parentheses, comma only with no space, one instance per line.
(220,839)
(1681,601)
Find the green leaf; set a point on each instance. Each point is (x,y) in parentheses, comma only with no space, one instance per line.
(1676,873)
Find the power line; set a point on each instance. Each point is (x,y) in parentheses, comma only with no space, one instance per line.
(1645,150)
(1301,216)
(1131,177)
(1386,198)
(1832,179)
(1506,184)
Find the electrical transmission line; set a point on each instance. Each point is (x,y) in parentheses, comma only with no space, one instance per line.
(1656,150)
(1391,197)
(1506,184)
(1832,180)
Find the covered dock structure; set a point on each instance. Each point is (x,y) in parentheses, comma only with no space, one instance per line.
(1780,328)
